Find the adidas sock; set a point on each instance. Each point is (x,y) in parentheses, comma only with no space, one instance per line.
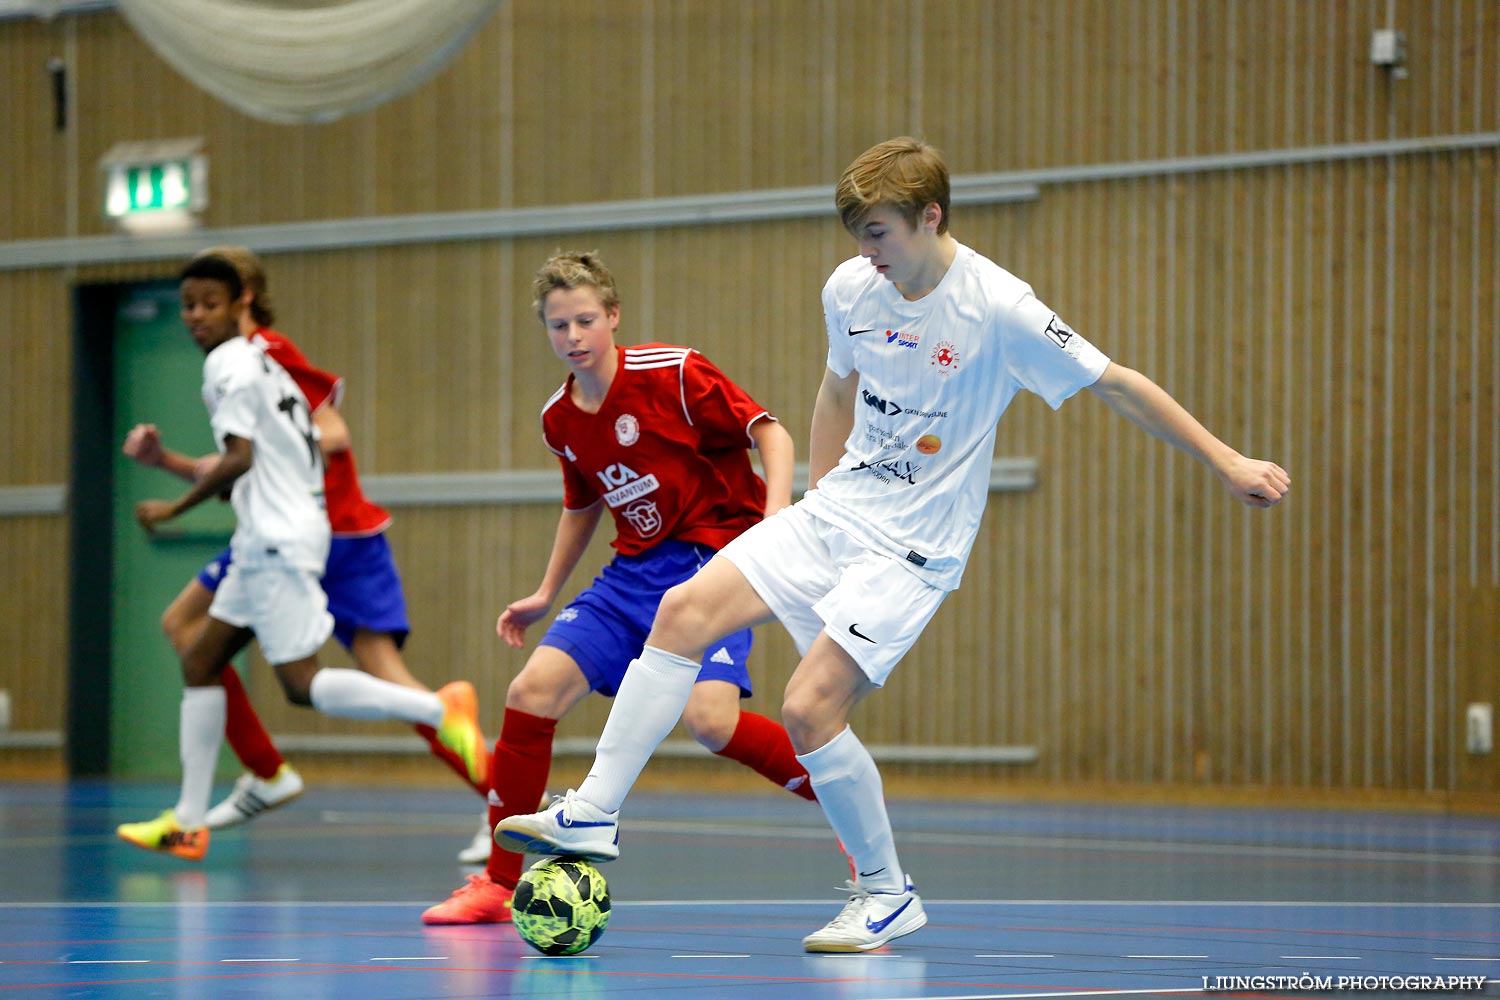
(763,746)
(853,798)
(243,729)
(649,703)
(518,777)
(354,694)
(200,733)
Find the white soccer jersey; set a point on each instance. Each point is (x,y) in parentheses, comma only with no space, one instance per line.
(278,504)
(934,377)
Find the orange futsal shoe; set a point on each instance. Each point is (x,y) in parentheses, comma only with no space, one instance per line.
(478,901)
(165,835)
(459,731)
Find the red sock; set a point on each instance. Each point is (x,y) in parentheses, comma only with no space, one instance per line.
(453,760)
(518,773)
(242,728)
(765,748)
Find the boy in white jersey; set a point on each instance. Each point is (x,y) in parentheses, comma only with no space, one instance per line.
(927,344)
(269,457)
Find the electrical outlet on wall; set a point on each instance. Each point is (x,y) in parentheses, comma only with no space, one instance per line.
(1479,728)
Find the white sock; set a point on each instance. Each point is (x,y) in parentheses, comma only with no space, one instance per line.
(853,798)
(649,703)
(200,733)
(354,694)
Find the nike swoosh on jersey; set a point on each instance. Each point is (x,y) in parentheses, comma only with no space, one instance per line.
(855,333)
(854,631)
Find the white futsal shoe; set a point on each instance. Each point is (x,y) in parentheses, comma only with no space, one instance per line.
(570,827)
(478,851)
(869,920)
(254,795)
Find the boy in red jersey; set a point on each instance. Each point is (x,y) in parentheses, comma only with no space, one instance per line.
(659,437)
(361,579)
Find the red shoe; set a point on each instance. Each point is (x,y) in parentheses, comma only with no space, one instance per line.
(478,901)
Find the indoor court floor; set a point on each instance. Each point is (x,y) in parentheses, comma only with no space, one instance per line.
(714,892)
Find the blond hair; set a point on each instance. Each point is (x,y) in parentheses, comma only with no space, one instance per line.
(573,269)
(904,173)
(252,276)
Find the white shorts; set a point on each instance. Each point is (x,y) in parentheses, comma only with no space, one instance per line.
(816,578)
(285,608)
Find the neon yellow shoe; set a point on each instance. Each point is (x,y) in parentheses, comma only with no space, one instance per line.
(459,730)
(165,835)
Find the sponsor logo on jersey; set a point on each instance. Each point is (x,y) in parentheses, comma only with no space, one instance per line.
(929,444)
(627,430)
(643,516)
(855,333)
(623,484)
(1058,331)
(885,406)
(908,340)
(567,615)
(721,655)
(944,357)
(890,470)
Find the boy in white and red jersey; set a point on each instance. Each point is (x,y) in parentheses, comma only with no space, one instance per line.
(928,342)
(363,585)
(270,460)
(658,437)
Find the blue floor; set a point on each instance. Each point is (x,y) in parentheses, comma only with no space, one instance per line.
(713,894)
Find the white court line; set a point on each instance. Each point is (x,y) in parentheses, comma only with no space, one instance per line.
(412,958)
(1461,958)
(1015,956)
(242,961)
(1163,956)
(1323,958)
(711,956)
(1066,993)
(108,961)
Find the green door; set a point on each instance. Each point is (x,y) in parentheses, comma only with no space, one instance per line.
(157,379)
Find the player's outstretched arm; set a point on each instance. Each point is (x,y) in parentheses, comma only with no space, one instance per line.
(778,456)
(143,444)
(235,462)
(1135,397)
(574,529)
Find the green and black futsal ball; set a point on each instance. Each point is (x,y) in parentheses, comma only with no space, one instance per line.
(561,906)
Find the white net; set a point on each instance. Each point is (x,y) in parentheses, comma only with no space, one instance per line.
(308,62)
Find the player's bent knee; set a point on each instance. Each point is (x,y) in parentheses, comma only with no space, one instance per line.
(681,621)
(296,682)
(711,725)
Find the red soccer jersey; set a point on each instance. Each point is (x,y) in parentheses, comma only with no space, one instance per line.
(350,512)
(668,451)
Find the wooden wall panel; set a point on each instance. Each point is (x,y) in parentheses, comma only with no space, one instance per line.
(1126,618)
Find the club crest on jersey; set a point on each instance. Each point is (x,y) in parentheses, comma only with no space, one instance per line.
(623,484)
(627,430)
(643,517)
(944,357)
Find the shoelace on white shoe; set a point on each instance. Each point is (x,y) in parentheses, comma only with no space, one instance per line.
(852,915)
(572,803)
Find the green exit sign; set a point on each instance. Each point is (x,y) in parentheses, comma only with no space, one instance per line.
(155,186)
(149,187)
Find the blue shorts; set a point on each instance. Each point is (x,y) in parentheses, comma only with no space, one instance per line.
(362,584)
(605,627)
